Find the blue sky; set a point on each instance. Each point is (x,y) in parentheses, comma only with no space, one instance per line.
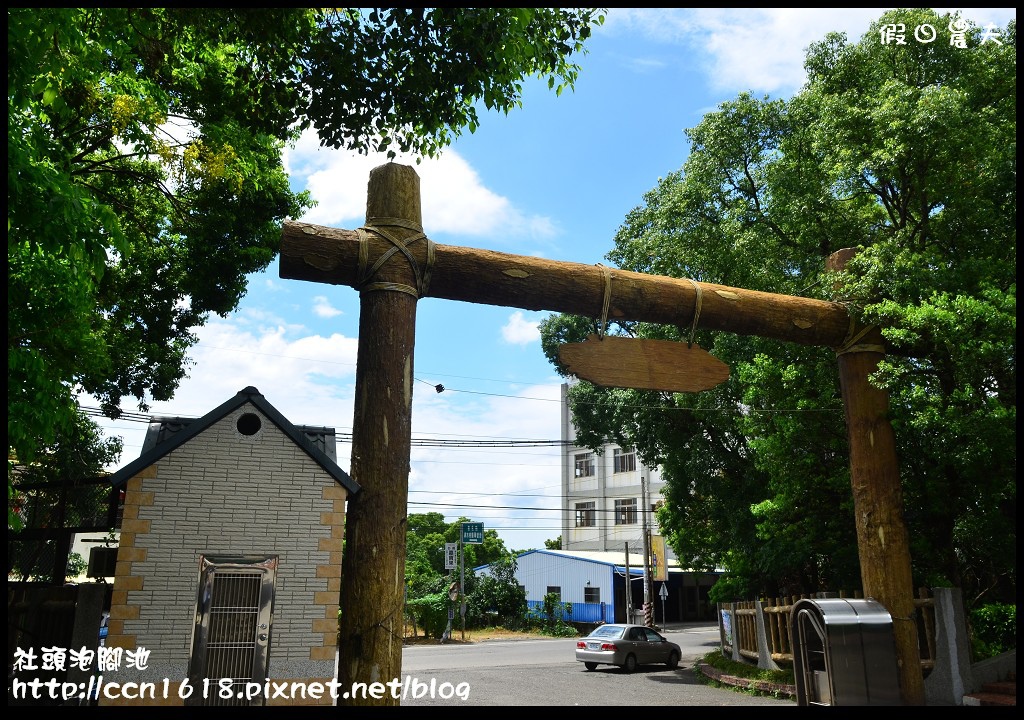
(554,179)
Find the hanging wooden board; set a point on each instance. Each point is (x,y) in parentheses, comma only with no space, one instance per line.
(643,364)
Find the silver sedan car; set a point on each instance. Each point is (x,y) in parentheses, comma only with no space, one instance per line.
(627,646)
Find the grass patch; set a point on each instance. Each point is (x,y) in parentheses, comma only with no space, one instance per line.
(728,666)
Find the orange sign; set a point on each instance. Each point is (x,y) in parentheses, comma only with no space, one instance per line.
(660,565)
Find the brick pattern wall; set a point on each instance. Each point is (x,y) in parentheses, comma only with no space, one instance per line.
(225,493)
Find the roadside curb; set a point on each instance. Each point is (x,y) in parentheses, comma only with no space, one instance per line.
(763,686)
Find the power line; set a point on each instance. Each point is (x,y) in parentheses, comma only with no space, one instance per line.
(346,437)
(487,507)
(352,365)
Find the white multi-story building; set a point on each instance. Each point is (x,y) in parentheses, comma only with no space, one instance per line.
(606,497)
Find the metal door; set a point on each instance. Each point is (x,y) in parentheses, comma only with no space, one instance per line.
(231,638)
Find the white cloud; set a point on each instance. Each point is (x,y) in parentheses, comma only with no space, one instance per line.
(322,308)
(491,476)
(309,379)
(759,49)
(454,198)
(231,355)
(520,331)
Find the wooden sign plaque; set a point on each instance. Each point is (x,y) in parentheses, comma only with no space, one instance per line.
(643,364)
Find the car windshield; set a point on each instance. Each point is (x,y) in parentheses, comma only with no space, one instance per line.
(607,631)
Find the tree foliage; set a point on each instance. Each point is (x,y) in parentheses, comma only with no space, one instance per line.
(494,595)
(144,164)
(555,544)
(60,489)
(908,154)
(498,598)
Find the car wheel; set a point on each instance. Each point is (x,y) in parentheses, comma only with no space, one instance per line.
(673,660)
(630,664)
(590,665)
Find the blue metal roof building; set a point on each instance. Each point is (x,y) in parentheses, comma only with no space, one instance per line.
(593,583)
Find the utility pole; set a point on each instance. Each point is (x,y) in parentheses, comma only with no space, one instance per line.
(462,582)
(648,599)
(629,589)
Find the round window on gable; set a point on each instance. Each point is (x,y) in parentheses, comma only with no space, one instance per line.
(249,424)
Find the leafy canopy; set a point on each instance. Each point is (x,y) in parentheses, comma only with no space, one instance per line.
(906,153)
(144,164)
(494,597)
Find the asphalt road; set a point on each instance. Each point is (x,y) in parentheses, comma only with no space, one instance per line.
(546,673)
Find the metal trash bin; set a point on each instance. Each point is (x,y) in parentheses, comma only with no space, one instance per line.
(844,653)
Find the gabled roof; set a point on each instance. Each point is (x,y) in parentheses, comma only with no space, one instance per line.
(176,432)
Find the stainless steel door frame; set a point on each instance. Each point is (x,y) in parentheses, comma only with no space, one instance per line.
(233,621)
(844,652)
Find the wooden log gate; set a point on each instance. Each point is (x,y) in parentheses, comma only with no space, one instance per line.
(393,264)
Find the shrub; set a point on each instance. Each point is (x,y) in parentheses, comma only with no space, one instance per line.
(993,630)
(728,666)
(556,628)
(431,612)
(497,598)
(729,588)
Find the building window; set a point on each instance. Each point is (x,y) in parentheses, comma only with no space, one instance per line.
(585,465)
(624,460)
(555,590)
(586,514)
(625,511)
(591,595)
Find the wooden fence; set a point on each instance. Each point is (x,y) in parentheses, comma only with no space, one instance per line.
(778,638)
(42,616)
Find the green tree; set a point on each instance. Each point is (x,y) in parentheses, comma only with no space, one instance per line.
(555,544)
(144,164)
(498,597)
(423,524)
(907,153)
(426,578)
(425,558)
(77,565)
(430,609)
(59,489)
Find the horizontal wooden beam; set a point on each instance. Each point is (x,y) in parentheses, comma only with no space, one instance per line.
(329,255)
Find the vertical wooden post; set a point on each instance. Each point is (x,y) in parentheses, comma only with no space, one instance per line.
(373,569)
(882,539)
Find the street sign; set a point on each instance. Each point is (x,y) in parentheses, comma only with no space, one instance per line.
(663,592)
(451,556)
(472,533)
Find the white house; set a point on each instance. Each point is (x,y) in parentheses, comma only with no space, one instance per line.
(229,562)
